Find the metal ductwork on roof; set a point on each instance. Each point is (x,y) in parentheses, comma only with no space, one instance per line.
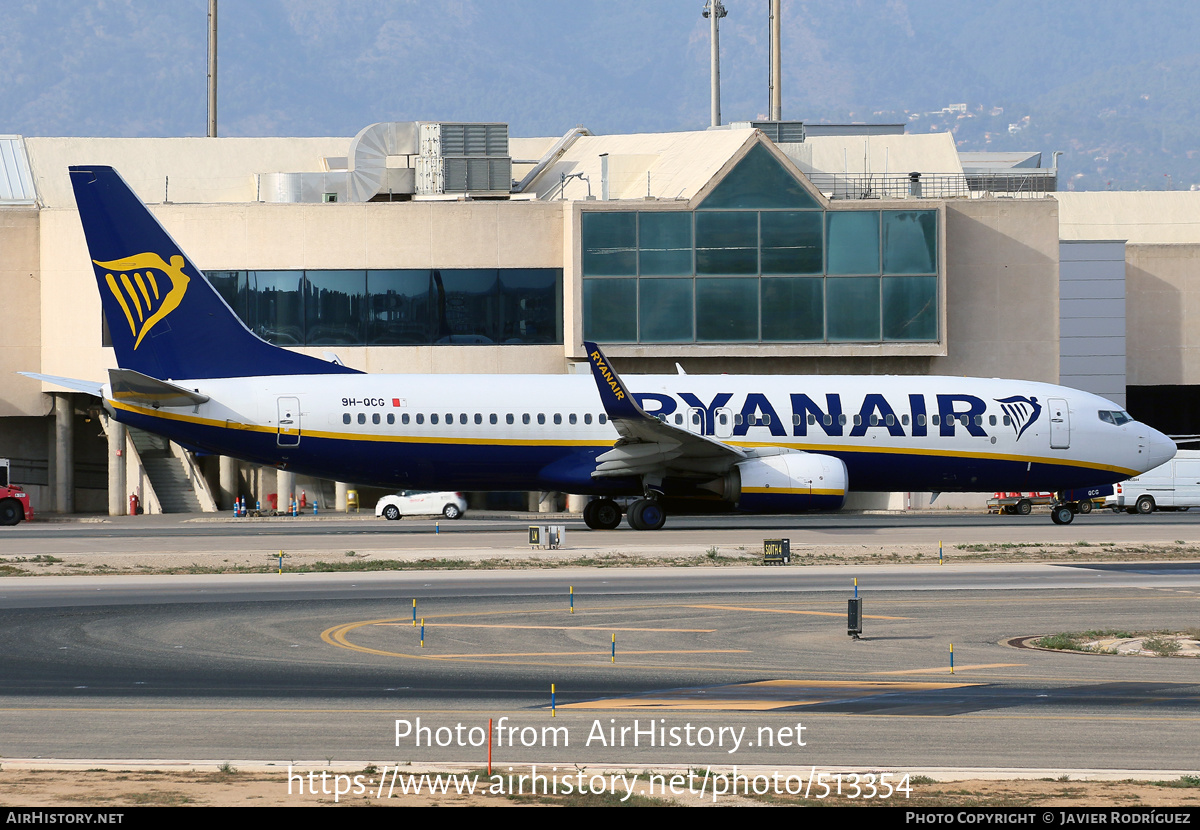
(370,173)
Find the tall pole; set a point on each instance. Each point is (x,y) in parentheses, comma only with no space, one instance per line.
(714,11)
(212,68)
(776,64)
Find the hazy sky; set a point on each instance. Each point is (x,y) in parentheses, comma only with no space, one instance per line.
(330,67)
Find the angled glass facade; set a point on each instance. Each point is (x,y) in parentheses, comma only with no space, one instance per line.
(407,307)
(760,260)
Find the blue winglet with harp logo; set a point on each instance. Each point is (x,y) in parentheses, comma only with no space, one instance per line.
(166,319)
(618,403)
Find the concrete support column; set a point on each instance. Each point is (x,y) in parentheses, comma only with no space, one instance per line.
(548,502)
(228,489)
(339,499)
(64,455)
(575,504)
(285,486)
(534,498)
(118,504)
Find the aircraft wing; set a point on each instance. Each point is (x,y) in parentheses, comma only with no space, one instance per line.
(649,446)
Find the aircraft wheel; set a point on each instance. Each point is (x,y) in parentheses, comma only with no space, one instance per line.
(602,514)
(1024,506)
(391,512)
(1061,514)
(1085,507)
(1145,505)
(646,514)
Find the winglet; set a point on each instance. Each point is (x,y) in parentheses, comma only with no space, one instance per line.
(618,403)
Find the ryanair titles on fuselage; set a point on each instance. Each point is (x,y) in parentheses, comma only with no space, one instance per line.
(914,417)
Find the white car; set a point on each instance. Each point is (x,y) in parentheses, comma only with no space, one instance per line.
(421,503)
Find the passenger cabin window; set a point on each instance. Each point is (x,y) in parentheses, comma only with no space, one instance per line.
(541,418)
(346,418)
(433,419)
(525,418)
(375,418)
(508,419)
(571,418)
(587,417)
(420,418)
(391,419)
(404,418)
(557,418)
(492,419)
(362,417)
(603,418)
(462,418)
(678,418)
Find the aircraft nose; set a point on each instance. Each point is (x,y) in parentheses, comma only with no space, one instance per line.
(1159,448)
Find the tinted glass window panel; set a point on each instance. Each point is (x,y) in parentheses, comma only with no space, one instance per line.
(400,308)
(759,181)
(727,242)
(334,306)
(852,308)
(793,309)
(853,242)
(791,242)
(278,306)
(665,311)
(530,305)
(610,310)
(727,310)
(665,243)
(467,303)
(910,310)
(609,243)
(910,241)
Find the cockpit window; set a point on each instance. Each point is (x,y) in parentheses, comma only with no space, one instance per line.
(1115,417)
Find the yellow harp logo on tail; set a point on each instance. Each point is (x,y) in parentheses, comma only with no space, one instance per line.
(137,284)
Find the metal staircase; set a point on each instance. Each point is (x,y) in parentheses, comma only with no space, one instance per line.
(166,473)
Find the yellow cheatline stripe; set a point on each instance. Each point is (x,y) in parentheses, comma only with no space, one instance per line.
(941,669)
(542,442)
(560,627)
(1036,459)
(788,611)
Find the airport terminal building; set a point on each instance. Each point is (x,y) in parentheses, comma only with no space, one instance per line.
(759,248)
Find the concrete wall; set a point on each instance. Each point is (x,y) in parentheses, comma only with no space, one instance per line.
(1162,284)
(20,313)
(1001,289)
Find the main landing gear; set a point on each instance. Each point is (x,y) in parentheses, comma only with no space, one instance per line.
(643,514)
(602,514)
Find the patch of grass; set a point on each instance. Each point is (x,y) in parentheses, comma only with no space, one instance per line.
(593,800)
(45,557)
(1162,646)
(712,553)
(227,768)
(1183,782)
(162,798)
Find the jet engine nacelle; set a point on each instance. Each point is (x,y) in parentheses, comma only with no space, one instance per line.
(788,483)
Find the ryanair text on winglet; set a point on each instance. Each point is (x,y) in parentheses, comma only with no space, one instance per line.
(598,359)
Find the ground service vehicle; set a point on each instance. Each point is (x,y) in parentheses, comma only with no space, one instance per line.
(1172,486)
(421,503)
(755,443)
(14,502)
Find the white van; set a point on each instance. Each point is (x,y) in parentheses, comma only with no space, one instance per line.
(1173,486)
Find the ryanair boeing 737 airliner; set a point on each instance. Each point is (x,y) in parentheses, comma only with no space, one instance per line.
(756,443)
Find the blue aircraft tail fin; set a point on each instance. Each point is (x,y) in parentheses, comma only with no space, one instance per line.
(166,319)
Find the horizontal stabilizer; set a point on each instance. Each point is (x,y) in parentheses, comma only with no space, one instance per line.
(129,386)
(91,387)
